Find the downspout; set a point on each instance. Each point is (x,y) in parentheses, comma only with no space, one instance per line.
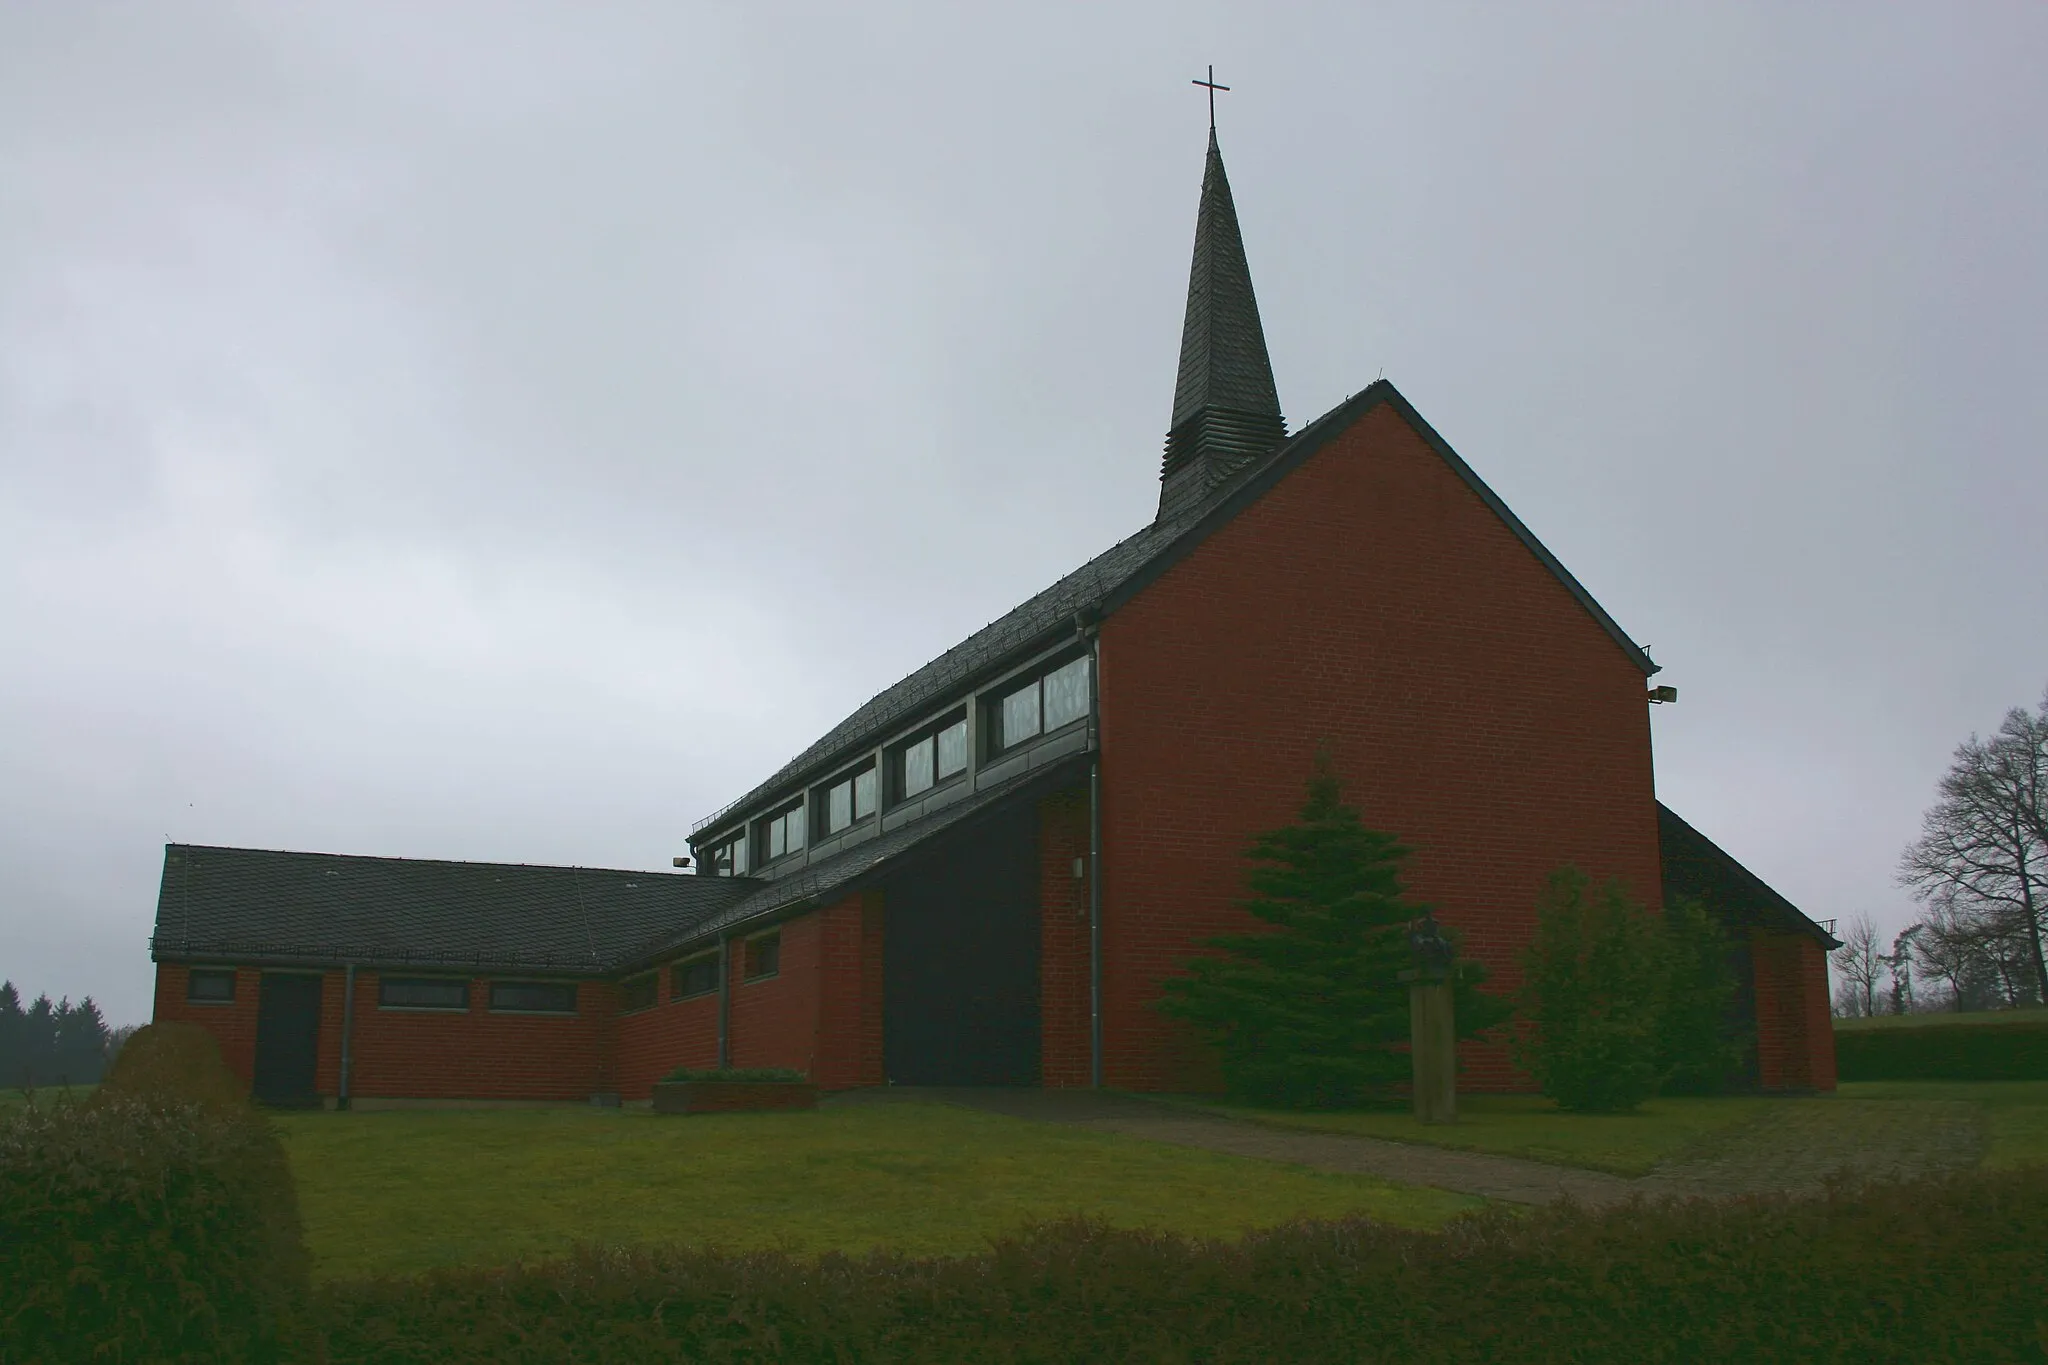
(348,1024)
(724,999)
(1095,862)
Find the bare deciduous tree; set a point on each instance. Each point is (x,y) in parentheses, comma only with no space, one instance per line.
(1860,961)
(1984,843)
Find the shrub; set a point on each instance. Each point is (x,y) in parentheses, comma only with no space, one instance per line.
(1939,1051)
(175,1064)
(1699,1047)
(1944,1268)
(1595,979)
(736,1073)
(137,1226)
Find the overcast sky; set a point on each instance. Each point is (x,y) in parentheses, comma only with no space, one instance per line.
(508,432)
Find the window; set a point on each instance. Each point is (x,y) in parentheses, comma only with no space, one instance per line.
(764,955)
(931,759)
(847,801)
(210,986)
(1042,705)
(534,997)
(727,858)
(637,994)
(783,833)
(696,976)
(422,993)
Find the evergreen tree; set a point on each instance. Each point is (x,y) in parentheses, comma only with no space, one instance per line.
(13,1033)
(1308,1016)
(1700,1046)
(38,1044)
(1595,979)
(81,1042)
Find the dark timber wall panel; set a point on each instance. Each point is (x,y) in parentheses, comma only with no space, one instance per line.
(960,960)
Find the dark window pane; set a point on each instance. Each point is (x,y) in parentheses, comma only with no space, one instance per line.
(917,767)
(423,993)
(776,835)
(1066,693)
(953,749)
(839,807)
(795,821)
(739,857)
(864,795)
(695,977)
(764,955)
(637,994)
(1020,715)
(550,997)
(215,987)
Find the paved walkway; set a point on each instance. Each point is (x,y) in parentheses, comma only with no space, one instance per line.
(1790,1149)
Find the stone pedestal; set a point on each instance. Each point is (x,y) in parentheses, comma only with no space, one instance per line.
(1433,1046)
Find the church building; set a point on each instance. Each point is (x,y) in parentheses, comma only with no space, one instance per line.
(984,873)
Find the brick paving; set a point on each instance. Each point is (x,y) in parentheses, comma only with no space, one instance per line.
(1791,1148)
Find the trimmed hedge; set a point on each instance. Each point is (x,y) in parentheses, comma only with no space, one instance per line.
(1946,1268)
(155,1221)
(2016,1051)
(735,1073)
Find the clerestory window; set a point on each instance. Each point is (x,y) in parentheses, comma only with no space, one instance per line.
(728,857)
(925,761)
(847,802)
(782,833)
(1049,702)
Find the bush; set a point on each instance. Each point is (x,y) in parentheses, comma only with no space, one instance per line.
(736,1073)
(2015,1051)
(1945,1269)
(1699,1049)
(1595,980)
(137,1226)
(175,1064)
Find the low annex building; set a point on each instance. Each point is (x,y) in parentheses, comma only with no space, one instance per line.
(982,875)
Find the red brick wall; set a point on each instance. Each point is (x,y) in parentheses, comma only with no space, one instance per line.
(774,1021)
(849,1045)
(232,1025)
(1063,939)
(1795,1045)
(654,1042)
(430,1054)
(1475,710)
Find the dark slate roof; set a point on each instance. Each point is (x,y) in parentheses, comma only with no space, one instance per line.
(1223,360)
(256,904)
(1114,577)
(1695,865)
(846,872)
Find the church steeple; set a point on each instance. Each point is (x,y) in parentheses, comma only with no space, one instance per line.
(1226,409)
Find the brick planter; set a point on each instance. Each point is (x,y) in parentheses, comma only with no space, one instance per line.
(726,1097)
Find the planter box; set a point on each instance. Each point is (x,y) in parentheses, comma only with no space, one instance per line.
(725,1097)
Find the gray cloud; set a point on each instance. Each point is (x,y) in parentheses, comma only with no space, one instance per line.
(509,431)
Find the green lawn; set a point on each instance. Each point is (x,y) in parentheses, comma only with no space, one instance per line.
(403,1191)
(2018,1111)
(1880,1021)
(44,1095)
(1533,1127)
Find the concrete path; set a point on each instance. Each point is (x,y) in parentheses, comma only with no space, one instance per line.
(1791,1149)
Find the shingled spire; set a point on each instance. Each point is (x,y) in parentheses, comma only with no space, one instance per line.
(1225,408)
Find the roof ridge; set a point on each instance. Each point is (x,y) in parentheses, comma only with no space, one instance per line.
(416,862)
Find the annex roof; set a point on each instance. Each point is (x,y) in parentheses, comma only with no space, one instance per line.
(1119,573)
(1695,865)
(257,904)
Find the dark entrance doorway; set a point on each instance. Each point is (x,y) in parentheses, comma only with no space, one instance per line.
(287,1040)
(960,960)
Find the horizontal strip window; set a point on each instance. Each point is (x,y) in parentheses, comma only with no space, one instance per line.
(1046,703)
(693,976)
(764,956)
(939,755)
(847,801)
(728,857)
(782,833)
(210,986)
(534,997)
(639,993)
(422,993)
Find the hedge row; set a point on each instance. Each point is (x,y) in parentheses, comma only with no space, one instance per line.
(155,1221)
(2017,1051)
(1947,1268)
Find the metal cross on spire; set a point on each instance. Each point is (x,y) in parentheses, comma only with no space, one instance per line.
(1213,88)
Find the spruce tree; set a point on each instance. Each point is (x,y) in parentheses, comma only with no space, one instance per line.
(13,1034)
(1309,1015)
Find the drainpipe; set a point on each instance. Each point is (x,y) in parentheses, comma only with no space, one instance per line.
(724,999)
(1095,864)
(348,1021)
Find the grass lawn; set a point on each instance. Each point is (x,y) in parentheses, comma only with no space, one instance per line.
(45,1095)
(2018,1111)
(1534,1127)
(403,1191)
(1884,1021)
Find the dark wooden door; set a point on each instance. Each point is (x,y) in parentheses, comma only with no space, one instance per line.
(287,1040)
(960,960)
